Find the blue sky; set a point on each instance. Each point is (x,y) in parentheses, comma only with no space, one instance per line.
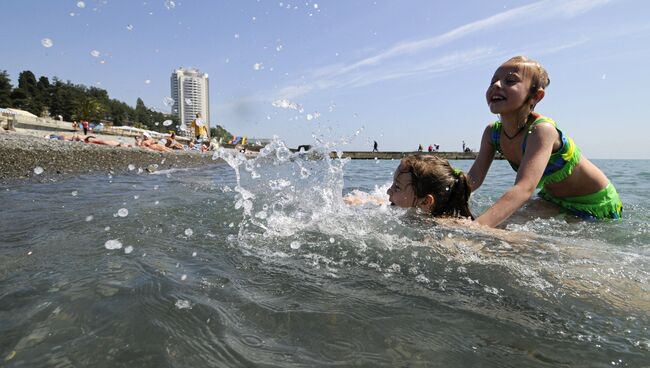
(349,72)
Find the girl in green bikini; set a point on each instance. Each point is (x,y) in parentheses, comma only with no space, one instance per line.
(536,148)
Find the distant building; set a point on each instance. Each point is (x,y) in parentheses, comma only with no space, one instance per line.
(190,91)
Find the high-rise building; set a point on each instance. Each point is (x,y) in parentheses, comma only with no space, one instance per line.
(190,91)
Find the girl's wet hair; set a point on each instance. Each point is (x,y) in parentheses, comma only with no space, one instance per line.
(538,75)
(434,175)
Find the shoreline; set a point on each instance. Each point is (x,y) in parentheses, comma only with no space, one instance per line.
(22,152)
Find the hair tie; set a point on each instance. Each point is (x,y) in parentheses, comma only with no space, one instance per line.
(457,172)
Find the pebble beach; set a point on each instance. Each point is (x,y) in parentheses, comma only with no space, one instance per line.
(27,155)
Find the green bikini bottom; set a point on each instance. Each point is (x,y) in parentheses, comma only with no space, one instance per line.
(604,204)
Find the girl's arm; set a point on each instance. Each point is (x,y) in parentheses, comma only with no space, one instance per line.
(538,151)
(483,161)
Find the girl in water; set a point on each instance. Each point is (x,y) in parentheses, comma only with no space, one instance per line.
(428,183)
(432,185)
(536,148)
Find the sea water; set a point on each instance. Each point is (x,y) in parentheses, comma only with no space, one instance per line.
(259,262)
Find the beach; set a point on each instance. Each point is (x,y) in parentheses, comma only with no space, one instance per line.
(24,151)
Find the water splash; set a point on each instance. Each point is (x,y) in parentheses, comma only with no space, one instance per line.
(47,42)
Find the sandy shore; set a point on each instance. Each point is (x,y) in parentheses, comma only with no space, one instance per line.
(24,151)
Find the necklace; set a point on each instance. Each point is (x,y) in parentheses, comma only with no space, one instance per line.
(516,134)
(521,129)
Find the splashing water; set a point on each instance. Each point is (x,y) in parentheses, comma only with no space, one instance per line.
(168,101)
(47,42)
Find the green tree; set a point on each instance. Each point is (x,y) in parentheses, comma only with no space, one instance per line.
(24,97)
(220,132)
(142,114)
(5,89)
(89,108)
(43,95)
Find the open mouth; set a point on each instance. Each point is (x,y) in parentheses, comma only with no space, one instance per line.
(497,98)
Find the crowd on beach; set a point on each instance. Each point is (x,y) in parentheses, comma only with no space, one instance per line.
(144,141)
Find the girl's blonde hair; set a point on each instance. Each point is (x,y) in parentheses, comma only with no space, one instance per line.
(434,175)
(538,75)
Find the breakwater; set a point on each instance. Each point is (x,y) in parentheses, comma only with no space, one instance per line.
(395,155)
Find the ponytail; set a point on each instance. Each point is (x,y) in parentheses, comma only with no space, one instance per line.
(458,202)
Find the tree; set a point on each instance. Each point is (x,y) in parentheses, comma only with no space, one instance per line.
(5,89)
(220,132)
(142,114)
(43,96)
(24,97)
(89,108)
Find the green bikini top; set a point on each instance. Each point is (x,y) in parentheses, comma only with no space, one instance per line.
(561,163)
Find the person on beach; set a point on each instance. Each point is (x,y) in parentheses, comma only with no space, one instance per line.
(84,124)
(199,128)
(171,142)
(428,183)
(147,142)
(537,150)
(93,140)
(374,147)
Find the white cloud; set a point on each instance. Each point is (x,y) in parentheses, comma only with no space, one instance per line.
(385,64)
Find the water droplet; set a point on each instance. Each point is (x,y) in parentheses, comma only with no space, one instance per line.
(604,76)
(46,42)
(89,218)
(236,35)
(169,4)
(147,81)
(168,101)
(193,254)
(131,167)
(113,244)
(81,4)
(283,153)
(129,27)
(315,6)
(295,245)
(189,232)
(183,277)
(332,240)
(123,212)
(128,249)
(188,102)
(72,14)
(74,193)
(258,66)
(278,48)
(38,170)
(167,123)
(183,304)
(95,53)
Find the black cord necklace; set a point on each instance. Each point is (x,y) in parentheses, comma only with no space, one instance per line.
(521,129)
(516,134)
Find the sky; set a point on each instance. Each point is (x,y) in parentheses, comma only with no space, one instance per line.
(347,73)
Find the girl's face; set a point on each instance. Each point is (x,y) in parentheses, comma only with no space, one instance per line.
(508,90)
(402,193)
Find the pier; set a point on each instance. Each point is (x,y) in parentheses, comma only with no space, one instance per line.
(369,155)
